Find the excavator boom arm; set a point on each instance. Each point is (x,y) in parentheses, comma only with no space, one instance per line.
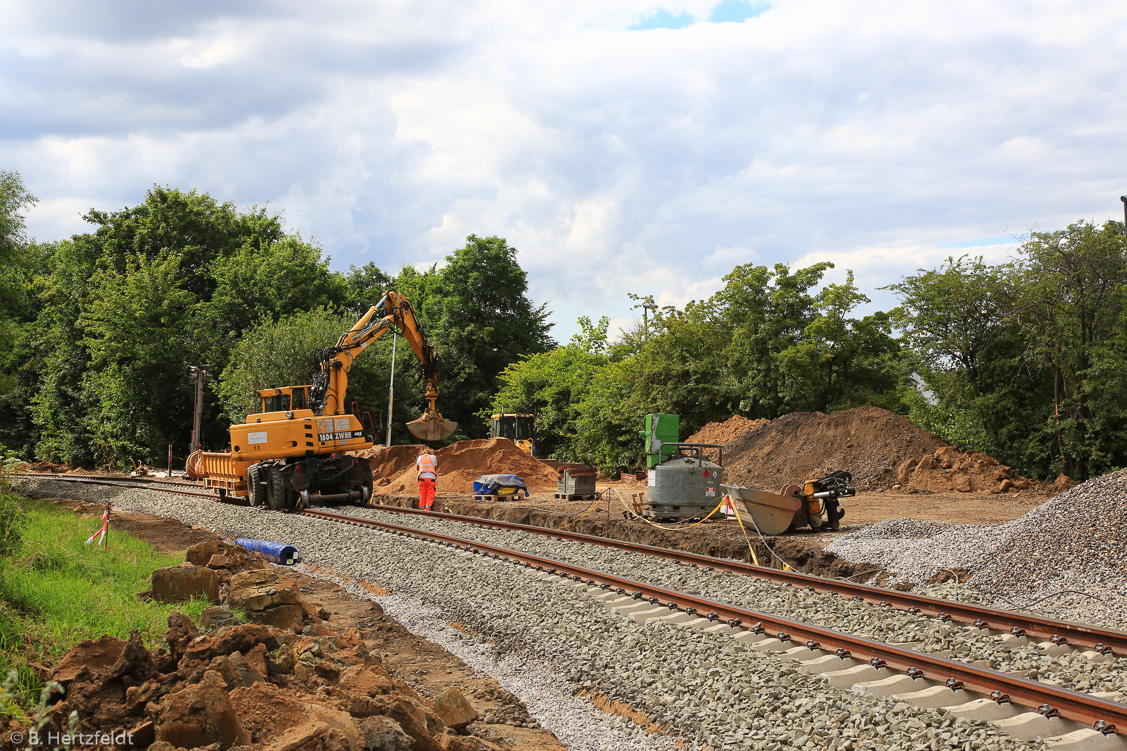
(330,378)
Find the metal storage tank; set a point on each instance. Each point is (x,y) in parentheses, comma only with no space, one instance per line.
(685,486)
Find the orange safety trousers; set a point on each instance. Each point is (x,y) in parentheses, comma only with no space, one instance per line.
(426,492)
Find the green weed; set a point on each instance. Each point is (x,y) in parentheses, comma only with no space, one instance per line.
(55,592)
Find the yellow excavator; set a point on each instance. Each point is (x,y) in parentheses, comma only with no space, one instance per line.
(293,453)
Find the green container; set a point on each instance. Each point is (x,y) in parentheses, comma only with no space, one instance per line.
(660,429)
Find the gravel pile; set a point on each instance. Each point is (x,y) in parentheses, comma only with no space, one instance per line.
(712,690)
(1066,558)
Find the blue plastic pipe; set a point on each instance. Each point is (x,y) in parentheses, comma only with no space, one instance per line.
(276,552)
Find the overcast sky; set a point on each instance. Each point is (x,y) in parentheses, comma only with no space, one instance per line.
(626,146)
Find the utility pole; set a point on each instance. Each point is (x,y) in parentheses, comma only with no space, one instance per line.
(1124,199)
(391,387)
(202,374)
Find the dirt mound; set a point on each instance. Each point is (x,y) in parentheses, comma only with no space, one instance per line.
(459,464)
(880,448)
(51,467)
(250,684)
(723,433)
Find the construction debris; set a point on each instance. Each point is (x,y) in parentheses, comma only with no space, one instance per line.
(254,683)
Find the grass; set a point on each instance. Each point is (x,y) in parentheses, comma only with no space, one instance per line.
(54,592)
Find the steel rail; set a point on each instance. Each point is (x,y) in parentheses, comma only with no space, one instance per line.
(1020,624)
(124,482)
(1045,698)
(1096,638)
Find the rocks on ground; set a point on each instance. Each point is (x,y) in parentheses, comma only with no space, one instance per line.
(1067,556)
(295,686)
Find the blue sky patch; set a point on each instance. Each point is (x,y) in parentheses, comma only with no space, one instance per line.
(728,11)
(736,11)
(663,19)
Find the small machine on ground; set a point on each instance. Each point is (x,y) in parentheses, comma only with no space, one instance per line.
(295,451)
(813,504)
(518,428)
(684,483)
(576,481)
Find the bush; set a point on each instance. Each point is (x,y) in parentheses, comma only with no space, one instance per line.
(11,524)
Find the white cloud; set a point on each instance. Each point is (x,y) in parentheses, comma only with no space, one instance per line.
(873,134)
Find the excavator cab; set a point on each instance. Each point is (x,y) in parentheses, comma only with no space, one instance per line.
(284,398)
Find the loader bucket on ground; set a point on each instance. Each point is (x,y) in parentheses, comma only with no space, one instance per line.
(431,427)
(770,513)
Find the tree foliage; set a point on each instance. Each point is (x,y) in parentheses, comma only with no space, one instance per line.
(1024,360)
(764,345)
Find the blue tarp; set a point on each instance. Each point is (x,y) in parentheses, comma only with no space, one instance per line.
(490,484)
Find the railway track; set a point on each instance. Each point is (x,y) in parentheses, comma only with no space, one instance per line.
(845,660)
(1058,635)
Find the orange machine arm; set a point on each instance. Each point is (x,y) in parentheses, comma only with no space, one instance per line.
(330,381)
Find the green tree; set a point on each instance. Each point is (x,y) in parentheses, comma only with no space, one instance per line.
(481,320)
(135,330)
(959,318)
(270,280)
(366,285)
(1073,294)
(20,261)
(552,385)
(839,361)
(965,345)
(152,289)
(768,311)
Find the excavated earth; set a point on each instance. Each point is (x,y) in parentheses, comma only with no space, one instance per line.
(900,471)
(333,672)
(881,449)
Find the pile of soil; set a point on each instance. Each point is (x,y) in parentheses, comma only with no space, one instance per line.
(253,685)
(723,433)
(881,449)
(459,464)
(51,467)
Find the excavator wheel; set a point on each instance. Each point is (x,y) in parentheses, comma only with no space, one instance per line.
(366,482)
(278,494)
(256,492)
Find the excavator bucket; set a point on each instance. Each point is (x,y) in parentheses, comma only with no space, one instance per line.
(431,427)
(769,513)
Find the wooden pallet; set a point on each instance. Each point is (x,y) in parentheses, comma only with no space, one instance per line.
(577,496)
(507,497)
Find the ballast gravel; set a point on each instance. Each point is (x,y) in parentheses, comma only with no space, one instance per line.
(1066,558)
(710,690)
(926,634)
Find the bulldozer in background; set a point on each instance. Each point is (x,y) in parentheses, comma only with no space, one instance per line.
(518,428)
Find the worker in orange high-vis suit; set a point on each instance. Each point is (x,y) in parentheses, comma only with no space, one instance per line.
(427,465)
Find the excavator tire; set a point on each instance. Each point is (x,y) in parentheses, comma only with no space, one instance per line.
(256,492)
(278,494)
